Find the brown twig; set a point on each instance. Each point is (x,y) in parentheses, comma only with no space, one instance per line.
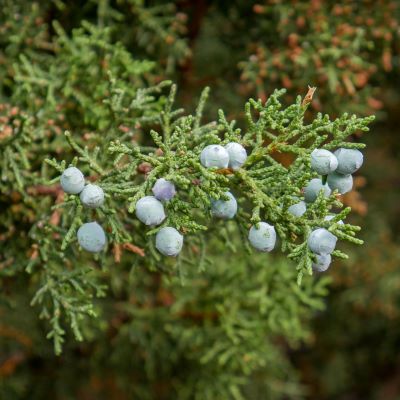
(134,249)
(309,96)
(117,252)
(44,190)
(224,171)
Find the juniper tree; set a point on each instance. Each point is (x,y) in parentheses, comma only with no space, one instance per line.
(87,102)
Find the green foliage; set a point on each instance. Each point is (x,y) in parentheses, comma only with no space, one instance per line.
(264,186)
(14,138)
(86,85)
(208,338)
(78,78)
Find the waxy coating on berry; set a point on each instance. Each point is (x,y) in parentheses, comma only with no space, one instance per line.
(298,209)
(329,217)
(214,155)
(321,241)
(322,262)
(163,189)
(237,155)
(350,160)
(313,188)
(225,209)
(92,196)
(91,237)
(72,180)
(323,161)
(150,211)
(339,182)
(169,241)
(262,238)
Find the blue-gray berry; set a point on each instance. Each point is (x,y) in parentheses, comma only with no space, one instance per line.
(323,161)
(322,262)
(92,196)
(350,160)
(150,211)
(169,241)
(237,155)
(91,237)
(331,216)
(313,188)
(339,182)
(214,155)
(225,209)
(298,209)
(262,238)
(321,241)
(72,180)
(163,189)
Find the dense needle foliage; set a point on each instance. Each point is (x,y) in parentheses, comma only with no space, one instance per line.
(91,86)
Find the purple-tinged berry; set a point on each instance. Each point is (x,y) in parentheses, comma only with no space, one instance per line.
(163,189)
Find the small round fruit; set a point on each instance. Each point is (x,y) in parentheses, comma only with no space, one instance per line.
(339,182)
(321,241)
(350,160)
(225,209)
(323,161)
(163,189)
(322,262)
(150,211)
(91,237)
(313,188)
(214,155)
(72,180)
(169,241)
(298,209)
(237,155)
(92,196)
(329,217)
(262,238)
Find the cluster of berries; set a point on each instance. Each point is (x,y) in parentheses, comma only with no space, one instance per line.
(336,168)
(150,211)
(261,236)
(91,235)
